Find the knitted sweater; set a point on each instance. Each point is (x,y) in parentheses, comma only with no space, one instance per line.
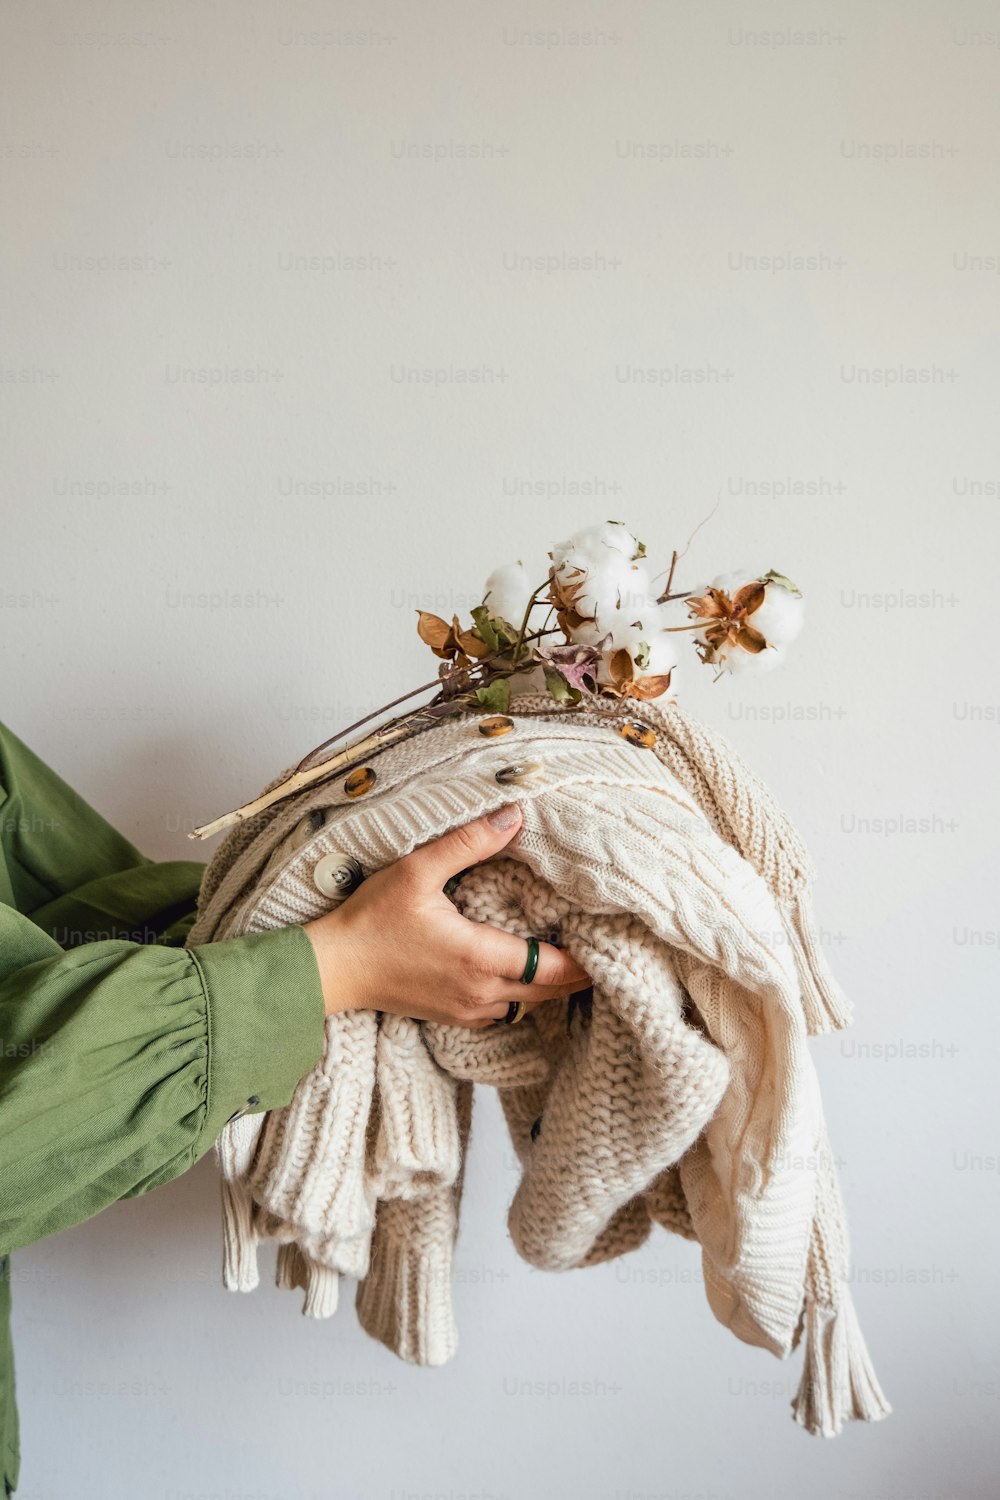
(683,1094)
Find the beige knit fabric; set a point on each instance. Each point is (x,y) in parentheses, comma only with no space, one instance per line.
(686,1096)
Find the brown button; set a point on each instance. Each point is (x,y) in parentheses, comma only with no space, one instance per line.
(496,725)
(510,775)
(360,781)
(637,733)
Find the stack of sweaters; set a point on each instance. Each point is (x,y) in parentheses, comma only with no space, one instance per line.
(683,1094)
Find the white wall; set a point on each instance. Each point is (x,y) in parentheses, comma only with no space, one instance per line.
(222,145)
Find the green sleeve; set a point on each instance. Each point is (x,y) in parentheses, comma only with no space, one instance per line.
(122,1053)
(120,1063)
(54,842)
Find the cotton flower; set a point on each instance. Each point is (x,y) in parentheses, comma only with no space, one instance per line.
(638,652)
(750,620)
(599,569)
(508,590)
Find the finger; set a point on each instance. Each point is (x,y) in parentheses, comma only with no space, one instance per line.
(491,1015)
(505,955)
(467,845)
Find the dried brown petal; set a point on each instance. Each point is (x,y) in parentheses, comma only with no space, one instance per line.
(433,631)
(749,598)
(649,687)
(751,640)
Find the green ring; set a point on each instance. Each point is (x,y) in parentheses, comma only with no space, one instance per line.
(531,963)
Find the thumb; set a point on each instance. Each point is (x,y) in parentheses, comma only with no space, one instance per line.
(473,842)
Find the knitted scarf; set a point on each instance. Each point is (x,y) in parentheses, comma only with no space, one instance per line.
(683,1094)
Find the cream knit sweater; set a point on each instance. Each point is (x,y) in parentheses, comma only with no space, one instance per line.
(683,1095)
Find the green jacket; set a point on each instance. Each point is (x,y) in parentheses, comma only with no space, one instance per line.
(122,1054)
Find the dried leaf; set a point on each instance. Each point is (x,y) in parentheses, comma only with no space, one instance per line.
(559,688)
(576,663)
(495,696)
(449,641)
(497,632)
(433,631)
(484,625)
(779,578)
(472,644)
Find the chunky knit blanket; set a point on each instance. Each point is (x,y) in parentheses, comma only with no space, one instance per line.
(681,1093)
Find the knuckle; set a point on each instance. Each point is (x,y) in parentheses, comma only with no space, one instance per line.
(404,874)
(466,838)
(475,963)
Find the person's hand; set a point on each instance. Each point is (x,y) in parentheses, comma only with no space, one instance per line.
(398,943)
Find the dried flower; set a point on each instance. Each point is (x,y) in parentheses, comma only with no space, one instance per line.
(450,642)
(749,620)
(617,642)
(598,570)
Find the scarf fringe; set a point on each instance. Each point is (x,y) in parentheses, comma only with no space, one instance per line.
(838,1380)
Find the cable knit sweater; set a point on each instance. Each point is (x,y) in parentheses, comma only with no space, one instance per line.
(683,1094)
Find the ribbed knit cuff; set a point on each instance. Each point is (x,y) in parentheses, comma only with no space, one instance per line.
(266,1016)
(405,1300)
(417,1145)
(311,1168)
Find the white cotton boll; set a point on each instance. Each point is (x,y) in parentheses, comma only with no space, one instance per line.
(662,655)
(597,568)
(612,589)
(740,663)
(595,542)
(652,648)
(730,583)
(508,590)
(779,619)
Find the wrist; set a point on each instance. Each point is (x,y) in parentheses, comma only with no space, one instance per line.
(338,976)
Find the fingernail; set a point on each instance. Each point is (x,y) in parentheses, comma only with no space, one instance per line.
(504,817)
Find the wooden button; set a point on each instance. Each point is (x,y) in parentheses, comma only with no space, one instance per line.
(637,733)
(512,774)
(495,726)
(360,781)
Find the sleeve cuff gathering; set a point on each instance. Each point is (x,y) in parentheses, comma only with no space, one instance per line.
(266,1018)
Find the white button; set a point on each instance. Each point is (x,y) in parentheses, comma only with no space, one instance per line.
(304,830)
(337,874)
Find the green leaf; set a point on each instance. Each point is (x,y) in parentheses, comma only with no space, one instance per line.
(640,550)
(779,578)
(495,696)
(506,632)
(494,630)
(484,626)
(641,654)
(559,688)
